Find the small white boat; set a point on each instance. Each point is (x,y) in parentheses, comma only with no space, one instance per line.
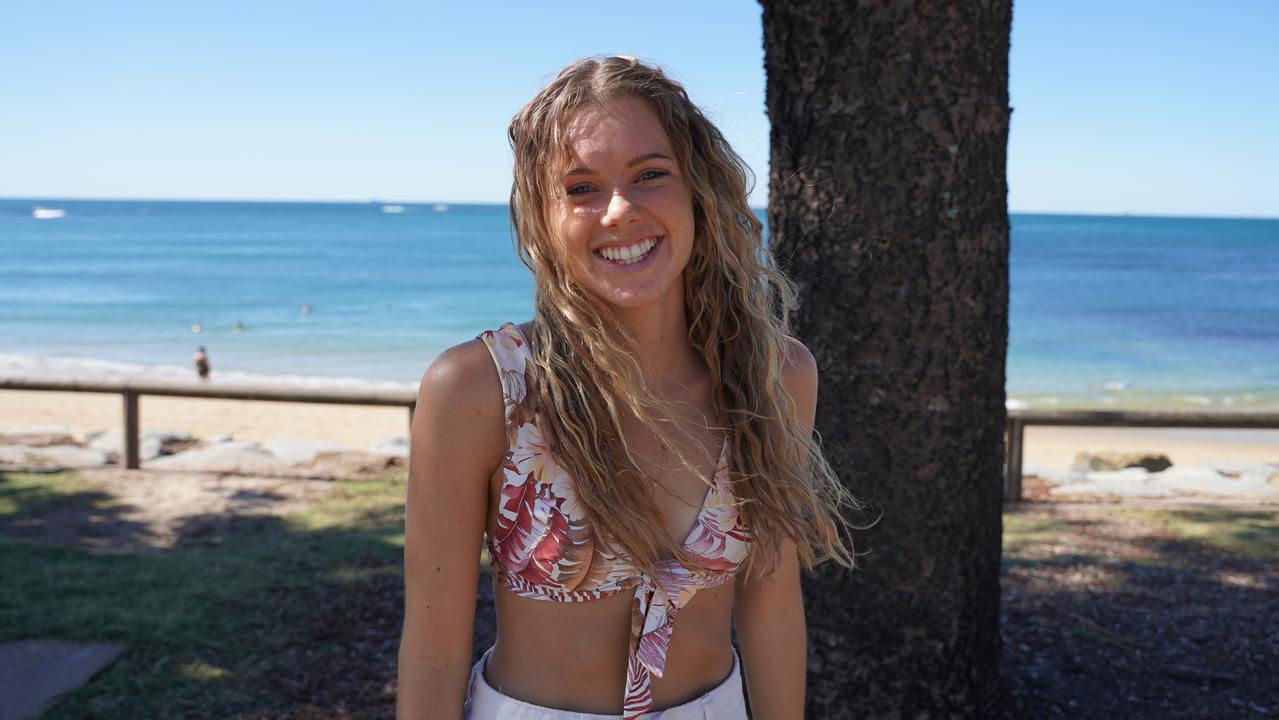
(441,207)
(41,213)
(393,209)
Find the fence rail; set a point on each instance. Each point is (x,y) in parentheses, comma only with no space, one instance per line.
(130,391)
(1015,425)
(1018,420)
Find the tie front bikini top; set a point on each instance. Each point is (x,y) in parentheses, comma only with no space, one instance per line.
(544,547)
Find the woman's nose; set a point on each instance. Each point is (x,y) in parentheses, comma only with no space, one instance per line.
(620,210)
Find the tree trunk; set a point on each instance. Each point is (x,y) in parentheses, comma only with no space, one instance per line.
(888,206)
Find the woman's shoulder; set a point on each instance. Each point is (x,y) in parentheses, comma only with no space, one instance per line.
(798,365)
(464,375)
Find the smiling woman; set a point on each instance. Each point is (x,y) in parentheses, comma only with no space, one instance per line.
(640,451)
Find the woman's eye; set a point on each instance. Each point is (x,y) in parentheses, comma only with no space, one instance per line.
(579,189)
(651,174)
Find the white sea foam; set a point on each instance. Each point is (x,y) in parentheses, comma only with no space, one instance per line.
(41,367)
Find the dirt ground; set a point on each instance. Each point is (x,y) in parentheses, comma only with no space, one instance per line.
(1103,615)
(148,511)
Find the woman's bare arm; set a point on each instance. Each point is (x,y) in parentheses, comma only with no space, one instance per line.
(458,440)
(769,613)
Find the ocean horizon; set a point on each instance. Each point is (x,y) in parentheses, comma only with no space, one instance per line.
(1105,310)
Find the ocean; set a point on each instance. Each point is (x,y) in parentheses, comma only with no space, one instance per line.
(1105,311)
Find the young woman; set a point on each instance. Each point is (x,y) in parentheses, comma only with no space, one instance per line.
(639,455)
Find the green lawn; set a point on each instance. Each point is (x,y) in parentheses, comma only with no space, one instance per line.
(212,629)
(206,625)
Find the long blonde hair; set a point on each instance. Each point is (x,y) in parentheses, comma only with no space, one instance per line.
(737,303)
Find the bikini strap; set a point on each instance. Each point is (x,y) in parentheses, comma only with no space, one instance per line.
(513,359)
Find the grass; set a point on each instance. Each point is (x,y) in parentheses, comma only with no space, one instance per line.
(207,626)
(203,623)
(1023,530)
(1254,535)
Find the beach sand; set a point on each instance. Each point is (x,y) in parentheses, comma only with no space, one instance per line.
(353,426)
(360,427)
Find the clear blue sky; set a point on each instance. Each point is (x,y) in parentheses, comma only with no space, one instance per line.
(1141,106)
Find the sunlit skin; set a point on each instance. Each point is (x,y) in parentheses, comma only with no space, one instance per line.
(621,183)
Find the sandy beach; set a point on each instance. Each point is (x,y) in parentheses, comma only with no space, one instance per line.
(361,427)
(349,426)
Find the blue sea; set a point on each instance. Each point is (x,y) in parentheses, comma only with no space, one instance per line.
(1105,311)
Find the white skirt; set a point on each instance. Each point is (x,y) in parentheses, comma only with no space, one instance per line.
(727,701)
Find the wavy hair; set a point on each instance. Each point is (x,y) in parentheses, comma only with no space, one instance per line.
(737,304)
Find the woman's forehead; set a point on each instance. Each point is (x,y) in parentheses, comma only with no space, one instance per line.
(625,127)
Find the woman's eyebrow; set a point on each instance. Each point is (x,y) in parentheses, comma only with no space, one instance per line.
(630,164)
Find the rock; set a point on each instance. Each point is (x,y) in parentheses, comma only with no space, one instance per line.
(1207,481)
(112,441)
(350,464)
(1127,475)
(217,439)
(37,438)
(35,672)
(1152,462)
(1054,476)
(293,451)
(230,457)
(1124,489)
(397,446)
(51,457)
(169,436)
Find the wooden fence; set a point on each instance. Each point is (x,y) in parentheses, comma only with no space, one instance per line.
(130,391)
(1015,428)
(1015,425)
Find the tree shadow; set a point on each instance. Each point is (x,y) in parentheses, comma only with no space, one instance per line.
(69,516)
(253,616)
(1177,633)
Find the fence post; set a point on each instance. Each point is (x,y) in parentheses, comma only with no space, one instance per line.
(131,430)
(1012,473)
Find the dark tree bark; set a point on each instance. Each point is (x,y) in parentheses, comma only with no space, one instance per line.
(888,205)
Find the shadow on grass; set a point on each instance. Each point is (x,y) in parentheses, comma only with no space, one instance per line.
(264,617)
(1157,624)
(57,508)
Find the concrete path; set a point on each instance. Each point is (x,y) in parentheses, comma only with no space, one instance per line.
(33,673)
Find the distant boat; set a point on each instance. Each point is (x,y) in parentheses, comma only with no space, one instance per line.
(441,207)
(40,213)
(393,209)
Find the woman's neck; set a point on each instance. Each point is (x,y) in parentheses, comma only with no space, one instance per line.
(661,340)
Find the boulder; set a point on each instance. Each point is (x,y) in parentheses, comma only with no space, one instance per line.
(350,464)
(112,442)
(231,457)
(397,446)
(37,438)
(51,457)
(292,451)
(1150,461)
(1202,480)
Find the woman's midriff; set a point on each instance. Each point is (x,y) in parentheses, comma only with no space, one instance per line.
(572,656)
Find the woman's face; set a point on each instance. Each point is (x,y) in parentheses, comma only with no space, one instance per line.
(624,217)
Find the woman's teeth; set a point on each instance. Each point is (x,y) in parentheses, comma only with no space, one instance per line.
(630,254)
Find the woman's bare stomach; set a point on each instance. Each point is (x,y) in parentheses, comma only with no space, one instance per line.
(573,655)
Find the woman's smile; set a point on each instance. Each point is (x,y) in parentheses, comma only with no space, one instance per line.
(625,219)
(631,256)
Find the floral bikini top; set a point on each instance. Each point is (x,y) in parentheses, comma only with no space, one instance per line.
(544,547)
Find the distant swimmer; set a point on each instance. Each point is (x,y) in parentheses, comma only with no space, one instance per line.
(202,363)
(306,309)
(239,326)
(196,328)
